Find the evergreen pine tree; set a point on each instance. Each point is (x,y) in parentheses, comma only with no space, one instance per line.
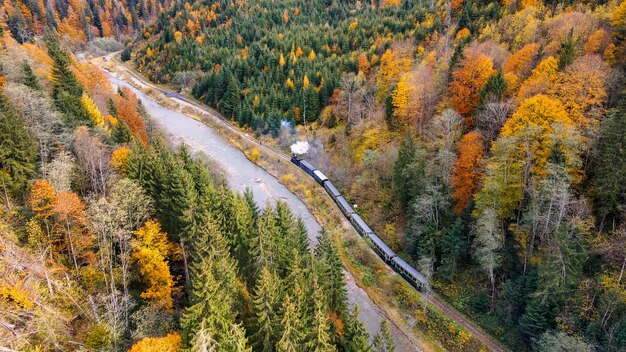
(408,171)
(18,151)
(29,78)
(319,339)
(609,185)
(263,244)
(66,89)
(266,304)
(383,341)
(494,89)
(231,98)
(291,337)
(356,337)
(331,273)
(567,51)
(211,313)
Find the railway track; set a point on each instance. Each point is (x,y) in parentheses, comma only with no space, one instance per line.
(448,311)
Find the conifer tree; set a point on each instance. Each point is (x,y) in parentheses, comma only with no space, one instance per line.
(213,290)
(494,89)
(266,304)
(18,151)
(609,185)
(29,78)
(408,171)
(231,98)
(383,341)
(356,337)
(66,89)
(319,339)
(331,273)
(291,337)
(263,244)
(567,52)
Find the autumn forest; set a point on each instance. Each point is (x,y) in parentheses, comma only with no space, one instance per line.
(483,141)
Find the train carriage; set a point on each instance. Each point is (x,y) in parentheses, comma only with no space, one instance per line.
(308,168)
(332,190)
(345,207)
(385,252)
(410,273)
(319,177)
(360,225)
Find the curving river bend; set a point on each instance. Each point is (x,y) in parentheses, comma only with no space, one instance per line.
(241,173)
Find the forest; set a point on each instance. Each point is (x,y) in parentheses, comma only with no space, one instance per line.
(485,138)
(112,240)
(484,141)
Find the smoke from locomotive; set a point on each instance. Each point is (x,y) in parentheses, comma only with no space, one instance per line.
(300,147)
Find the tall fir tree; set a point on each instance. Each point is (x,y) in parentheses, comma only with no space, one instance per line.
(29,79)
(18,151)
(383,341)
(266,303)
(66,90)
(356,337)
(331,273)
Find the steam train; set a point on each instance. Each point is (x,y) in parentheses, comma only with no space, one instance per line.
(384,252)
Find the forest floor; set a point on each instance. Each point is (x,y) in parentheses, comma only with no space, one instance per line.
(404,338)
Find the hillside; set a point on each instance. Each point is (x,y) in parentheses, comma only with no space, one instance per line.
(482,140)
(110,240)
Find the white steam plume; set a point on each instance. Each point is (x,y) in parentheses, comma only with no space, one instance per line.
(300,147)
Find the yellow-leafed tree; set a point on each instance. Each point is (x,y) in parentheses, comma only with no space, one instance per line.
(168,343)
(92,110)
(151,248)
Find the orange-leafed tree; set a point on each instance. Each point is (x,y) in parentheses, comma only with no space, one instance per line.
(168,343)
(41,202)
(42,199)
(467,81)
(151,250)
(71,222)
(467,169)
(521,63)
(363,63)
(127,111)
(581,87)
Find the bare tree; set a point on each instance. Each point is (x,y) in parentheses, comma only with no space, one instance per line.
(492,117)
(93,157)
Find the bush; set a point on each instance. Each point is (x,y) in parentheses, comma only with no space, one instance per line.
(98,337)
(125,55)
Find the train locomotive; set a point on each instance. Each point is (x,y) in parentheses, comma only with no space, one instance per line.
(407,271)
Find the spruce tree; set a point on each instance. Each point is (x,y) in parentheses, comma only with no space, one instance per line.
(383,341)
(331,273)
(66,89)
(408,171)
(18,150)
(319,339)
(356,337)
(494,89)
(231,98)
(609,167)
(263,244)
(213,290)
(266,305)
(291,337)
(567,51)
(29,78)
